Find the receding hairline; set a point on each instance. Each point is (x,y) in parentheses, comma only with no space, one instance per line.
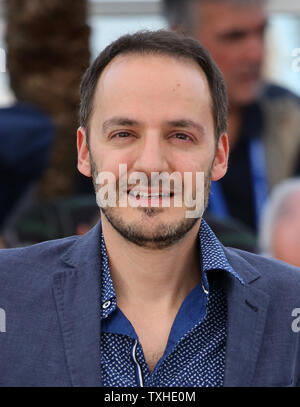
(188,60)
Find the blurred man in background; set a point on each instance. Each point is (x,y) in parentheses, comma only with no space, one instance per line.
(27,136)
(264,119)
(279,235)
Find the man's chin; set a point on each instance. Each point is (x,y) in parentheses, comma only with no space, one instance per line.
(148,232)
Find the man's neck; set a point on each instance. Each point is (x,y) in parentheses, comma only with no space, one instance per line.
(146,278)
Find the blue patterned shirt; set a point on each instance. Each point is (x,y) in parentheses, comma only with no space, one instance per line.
(195,351)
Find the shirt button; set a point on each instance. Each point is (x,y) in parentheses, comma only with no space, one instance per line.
(106,304)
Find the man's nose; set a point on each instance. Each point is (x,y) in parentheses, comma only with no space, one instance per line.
(152,155)
(255,49)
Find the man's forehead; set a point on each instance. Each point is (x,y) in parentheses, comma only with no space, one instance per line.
(127,88)
(135,71)
(138,62)
(233,3)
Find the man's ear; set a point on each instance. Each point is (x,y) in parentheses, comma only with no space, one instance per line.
(83,156)
(221,158)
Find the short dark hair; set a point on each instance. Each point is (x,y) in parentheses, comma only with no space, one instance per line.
(160,42)
(180,14)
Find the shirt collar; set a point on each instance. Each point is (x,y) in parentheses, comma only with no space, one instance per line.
(212,258)
(212,254)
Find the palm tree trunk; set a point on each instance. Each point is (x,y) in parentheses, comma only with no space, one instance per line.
(48,51)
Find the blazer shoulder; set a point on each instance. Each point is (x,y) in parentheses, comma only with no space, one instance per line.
(40,258)
(270,272)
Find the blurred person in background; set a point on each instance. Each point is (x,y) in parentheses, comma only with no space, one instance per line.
(37,170)
(279,234)
(52,219)
(26,135)
(264,119)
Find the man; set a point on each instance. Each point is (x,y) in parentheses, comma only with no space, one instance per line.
(264,119)
(149,297)
(279,232)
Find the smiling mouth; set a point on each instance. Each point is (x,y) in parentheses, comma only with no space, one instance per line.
(146,195)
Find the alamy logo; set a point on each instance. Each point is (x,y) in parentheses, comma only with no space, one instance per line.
(163,190)
(296,322)
(2,321)
(2,60)
(296,60)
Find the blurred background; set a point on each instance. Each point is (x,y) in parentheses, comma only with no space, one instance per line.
(48,44)
(112,18)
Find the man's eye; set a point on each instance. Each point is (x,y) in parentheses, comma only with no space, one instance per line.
(122,134)
(182,136)
(234,36)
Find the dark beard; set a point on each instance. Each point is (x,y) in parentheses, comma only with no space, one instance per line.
(164,236)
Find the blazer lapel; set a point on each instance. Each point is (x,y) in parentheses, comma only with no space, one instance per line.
(77,293)
(247,311)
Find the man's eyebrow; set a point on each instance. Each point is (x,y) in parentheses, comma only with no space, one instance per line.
(187,124)
(125,121)
(233,33)
(118,121)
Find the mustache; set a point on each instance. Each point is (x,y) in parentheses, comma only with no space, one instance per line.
(162,182)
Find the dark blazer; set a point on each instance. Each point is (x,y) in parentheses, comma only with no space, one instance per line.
(50,294)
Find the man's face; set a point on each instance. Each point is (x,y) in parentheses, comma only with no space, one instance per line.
(234,36)
(152,113)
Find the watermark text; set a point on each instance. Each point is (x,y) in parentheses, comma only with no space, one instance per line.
(2,60)
(2,321)
(296,321)
(159,190)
